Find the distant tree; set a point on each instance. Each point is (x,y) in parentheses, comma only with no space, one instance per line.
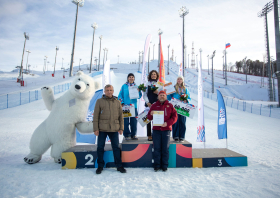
(238,65)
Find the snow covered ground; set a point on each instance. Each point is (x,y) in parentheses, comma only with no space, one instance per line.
(252,135)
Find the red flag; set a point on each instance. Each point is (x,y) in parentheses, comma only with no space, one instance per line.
(161,65)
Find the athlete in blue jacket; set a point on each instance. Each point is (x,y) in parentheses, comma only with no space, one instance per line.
(125,100)
(179,128)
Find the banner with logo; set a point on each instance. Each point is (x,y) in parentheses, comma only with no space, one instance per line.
(222,117)
(141,131)
(200,124)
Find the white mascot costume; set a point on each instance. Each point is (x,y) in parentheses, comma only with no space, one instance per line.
(66,113)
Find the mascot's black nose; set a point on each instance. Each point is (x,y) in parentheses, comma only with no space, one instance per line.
(77,87)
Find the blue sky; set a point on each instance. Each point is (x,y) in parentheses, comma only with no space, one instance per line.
(125,25)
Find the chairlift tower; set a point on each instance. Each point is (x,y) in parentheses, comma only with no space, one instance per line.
(263,13)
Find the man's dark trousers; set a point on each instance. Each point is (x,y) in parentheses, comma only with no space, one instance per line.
(179,128)
(114,137)
(161,141)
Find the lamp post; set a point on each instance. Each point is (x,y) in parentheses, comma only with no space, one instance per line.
(80,64)
(245,67)
(208,64)
(107,53)
(94,26)
(95,63)
(159,33)
(223,68)
(56,49)
(79,3)
(104,57)
(185,57)
(225,53)
(175,59)
(26,37)
(182,13)
(99,52)
(46,64)
(27,59)
(168,58)
(212,57)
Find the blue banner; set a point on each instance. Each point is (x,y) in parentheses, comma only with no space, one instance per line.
(222,117)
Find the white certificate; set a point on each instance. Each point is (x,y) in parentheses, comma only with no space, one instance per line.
(133,92)
(158,118)
(169,88)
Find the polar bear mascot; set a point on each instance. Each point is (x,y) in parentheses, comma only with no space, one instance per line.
(66,113)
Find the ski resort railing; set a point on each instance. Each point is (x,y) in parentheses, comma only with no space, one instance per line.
(259,109)
(19,98)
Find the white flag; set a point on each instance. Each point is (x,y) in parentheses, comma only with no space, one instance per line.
(141,131)
(200,124)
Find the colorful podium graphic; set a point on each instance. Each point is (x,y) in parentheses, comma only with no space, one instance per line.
(139,153)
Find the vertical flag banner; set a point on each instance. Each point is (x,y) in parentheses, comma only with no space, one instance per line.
(180,72)
(106,78)
(222,117)
(161,65)
(200,123)
(141,131)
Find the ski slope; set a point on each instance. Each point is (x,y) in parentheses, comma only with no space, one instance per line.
(252,135)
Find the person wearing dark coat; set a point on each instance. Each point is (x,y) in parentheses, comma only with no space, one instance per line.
(161,134)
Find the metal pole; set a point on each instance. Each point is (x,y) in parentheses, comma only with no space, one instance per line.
(277,44)
(73,48)
(104,58)
(106,53)
(200,50)
(91,51)
(226,65)
(168,58)
(55,60)
(21,67)
(223,68)
(99,54)
(196,64)
(139,62)
(245,67)
(27,60)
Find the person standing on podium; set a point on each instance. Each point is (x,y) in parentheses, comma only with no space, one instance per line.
(161,131)
(108,120)
(125,99)
(151,96)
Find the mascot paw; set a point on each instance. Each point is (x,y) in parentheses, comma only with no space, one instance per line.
(57,160)
(32,159)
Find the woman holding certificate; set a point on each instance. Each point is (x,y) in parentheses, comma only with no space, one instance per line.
(128,95)
(151,96)
(179,128)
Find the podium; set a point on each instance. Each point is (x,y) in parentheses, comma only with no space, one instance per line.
(139,153)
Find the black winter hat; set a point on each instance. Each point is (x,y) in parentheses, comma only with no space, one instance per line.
(130,74)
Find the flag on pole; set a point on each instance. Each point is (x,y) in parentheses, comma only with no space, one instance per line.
(200,124)
(161,65)
(222,117)
(228,45)
(106,78)
(141,131)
